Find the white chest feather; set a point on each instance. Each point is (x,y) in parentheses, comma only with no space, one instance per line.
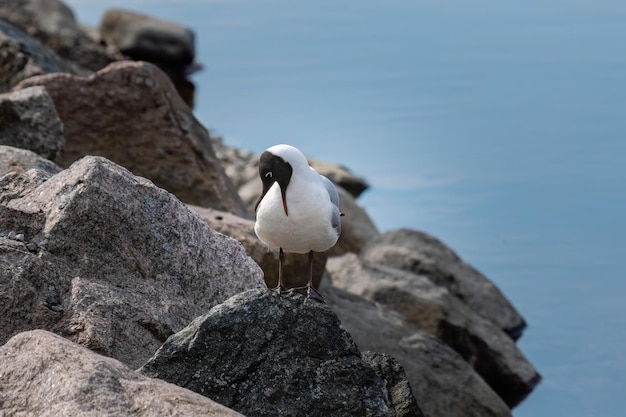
(308,225)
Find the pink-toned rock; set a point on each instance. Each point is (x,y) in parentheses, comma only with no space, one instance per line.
(130,113)
(45,375)
(108,260)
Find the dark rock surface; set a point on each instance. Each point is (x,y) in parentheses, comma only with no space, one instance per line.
(425,255)
(167,45)
(443,383)
(45,375)
(53,24)
(398,386)
(28,120)
(22,57)
(108,260)
(145,38)
(435,310)
(130,113)
(269,355)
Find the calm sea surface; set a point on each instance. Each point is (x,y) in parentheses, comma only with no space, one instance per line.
(498,127)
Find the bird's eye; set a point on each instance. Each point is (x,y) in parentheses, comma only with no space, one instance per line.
(268,175)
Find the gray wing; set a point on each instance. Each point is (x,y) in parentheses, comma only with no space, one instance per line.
(334,198)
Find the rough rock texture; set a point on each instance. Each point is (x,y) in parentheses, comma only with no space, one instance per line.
(45,375)
(443,383)
(53,24)
(109,260)
(22,56)
(433,309)
(130,113)
(21,160)
(398,386)
(341,176)
(269,355)
(296,266)
(28,120)
(423,254)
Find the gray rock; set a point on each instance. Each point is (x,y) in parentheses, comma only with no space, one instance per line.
(269,355)
(53,24)
(22,57)
(130,113)
(443,383)
(28,120)
(21,160)
(296,267)
(144,38)
(398,386)
(109,260)
(433,309)
(423,254)
(45,375)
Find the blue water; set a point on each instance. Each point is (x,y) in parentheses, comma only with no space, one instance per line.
(499,127)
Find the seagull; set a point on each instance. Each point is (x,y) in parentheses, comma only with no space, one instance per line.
(298,210)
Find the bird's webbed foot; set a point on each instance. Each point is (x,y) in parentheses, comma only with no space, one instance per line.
(314,294)
(279,289)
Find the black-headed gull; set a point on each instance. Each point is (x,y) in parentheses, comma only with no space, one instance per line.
(298,210)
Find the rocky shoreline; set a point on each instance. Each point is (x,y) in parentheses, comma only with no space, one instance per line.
(127,243)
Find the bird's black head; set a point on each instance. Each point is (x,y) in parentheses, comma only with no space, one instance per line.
(273,168)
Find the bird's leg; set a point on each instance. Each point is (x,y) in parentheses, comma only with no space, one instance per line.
(311,291)
(281,260)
